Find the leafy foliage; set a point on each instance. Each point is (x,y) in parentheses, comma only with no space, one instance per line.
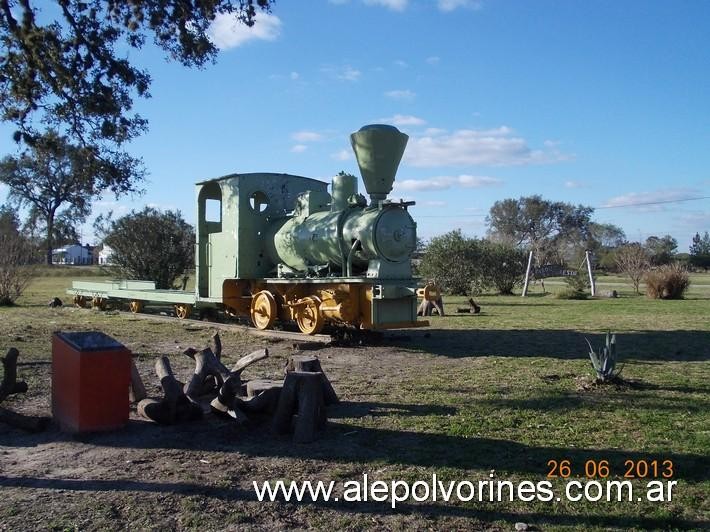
(503,266)
(577,286)
(65,73)
(454,262)
(700,251)
(661,250)
(633,261)
(604,362)
(57,175)
(667,282)
(151,245)
(463,266)
(546,227)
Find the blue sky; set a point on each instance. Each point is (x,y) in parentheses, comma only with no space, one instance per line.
(601,103)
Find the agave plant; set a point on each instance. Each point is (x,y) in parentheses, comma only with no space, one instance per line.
(604,361)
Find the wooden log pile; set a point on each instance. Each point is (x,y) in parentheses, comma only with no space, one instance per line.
(472,308)
(10,385)
(295,404)
(428,306)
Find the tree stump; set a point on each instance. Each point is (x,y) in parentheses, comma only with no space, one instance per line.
(312,364)
(10,385)
(302,395)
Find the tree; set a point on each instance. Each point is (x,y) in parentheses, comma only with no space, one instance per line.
(700,251)
(503,266)
(633,261)
(61,68)
(661,250)
(454,262)
(544,226)
(15,258)
(151,245)
(57,175)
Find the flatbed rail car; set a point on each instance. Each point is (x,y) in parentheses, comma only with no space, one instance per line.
(279,247)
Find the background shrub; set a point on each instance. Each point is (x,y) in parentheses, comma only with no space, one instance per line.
(667,282)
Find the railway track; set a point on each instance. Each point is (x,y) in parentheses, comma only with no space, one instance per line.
(270,333)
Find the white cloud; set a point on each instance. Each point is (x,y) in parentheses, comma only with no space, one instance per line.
(575,184)
(433,60)
(394,5)
(654,200)
(404,95)
(466,147)
(451,5)
(403,120)
(349,74)
(294,75)
(401,64)
(306,136)
(342,155)
(445,182)
(299,148)
(227,32)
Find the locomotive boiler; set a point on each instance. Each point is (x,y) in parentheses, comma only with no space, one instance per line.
(279,247)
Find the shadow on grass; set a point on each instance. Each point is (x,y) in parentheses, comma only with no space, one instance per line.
(475,512)
(564,344)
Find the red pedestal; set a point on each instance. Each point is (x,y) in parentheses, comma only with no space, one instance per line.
(91,373)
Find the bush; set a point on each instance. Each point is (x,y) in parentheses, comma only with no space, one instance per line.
(667,282)
(503,266)
(151,245)
(455,263)
(16,271)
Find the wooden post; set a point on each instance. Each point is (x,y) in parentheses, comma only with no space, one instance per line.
(587,258)
(527,274)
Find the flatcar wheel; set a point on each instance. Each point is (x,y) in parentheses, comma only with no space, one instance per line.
(79,301)
(308,316)
(182,311)
(99,303)
(263,310)
(135,306)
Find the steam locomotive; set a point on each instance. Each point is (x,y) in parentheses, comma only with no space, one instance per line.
(279,247)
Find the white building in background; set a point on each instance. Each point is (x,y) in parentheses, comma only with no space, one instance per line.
(105,255)
(72,254)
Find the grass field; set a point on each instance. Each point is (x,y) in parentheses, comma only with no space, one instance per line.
(501,393)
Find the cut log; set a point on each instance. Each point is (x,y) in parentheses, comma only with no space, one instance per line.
(217,346)
(472,308)
(136,390)
(206,364)
(264,402)
(10,384)
(427,307)
(258,386)
(21,421)
(175,407)
(311,409)
(250,359)
(312,364)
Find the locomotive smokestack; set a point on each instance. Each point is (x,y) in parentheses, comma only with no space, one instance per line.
(378,149)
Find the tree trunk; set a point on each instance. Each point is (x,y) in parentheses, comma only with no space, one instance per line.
(311,409)
(50,239)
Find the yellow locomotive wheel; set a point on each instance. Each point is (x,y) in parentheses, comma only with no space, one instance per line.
(308,316)
(263,310)
(99,303)
(79,301)
(182,310)
(135,306)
